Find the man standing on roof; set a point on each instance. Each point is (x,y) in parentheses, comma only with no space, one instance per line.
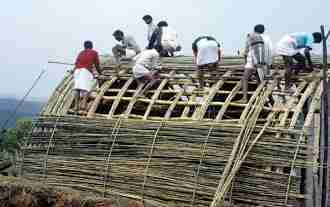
(258,57)
(146,68)
(86,69)
(289,48)
(165,40)
(206,54)
(151,26)
(127,47)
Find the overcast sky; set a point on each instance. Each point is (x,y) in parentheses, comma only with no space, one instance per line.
(35,31)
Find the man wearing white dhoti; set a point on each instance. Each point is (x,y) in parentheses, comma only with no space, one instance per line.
(86,68)
(289,48)
(258,57)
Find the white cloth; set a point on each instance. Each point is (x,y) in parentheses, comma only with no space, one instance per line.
(286,46)
(169,38)
(208,52)
(147,59)
(140,70)
(250,60)
(83,79)
(268,49)
(130,53)
(268,52)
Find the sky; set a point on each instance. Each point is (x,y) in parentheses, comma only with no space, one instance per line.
(36,31)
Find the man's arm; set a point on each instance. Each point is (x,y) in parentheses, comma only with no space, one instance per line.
(195,50)
(134,45)
(219,55)
(308,56)
(97,63)
(247,48)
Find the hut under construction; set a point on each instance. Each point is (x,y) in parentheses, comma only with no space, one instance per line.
(180,145)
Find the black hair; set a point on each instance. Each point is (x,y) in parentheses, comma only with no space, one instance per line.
(259,28)
(88,44)
(162,24)
(317,37)
(118,33)
(146,17)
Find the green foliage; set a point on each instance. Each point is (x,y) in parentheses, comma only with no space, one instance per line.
(12,139)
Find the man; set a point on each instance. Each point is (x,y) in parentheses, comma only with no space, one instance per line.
(86,69)
(146,68)
(165,40)
(258,57)
(206,54)
(127,47)
(289,48)
(151,26)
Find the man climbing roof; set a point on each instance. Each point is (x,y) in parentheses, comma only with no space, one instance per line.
(206,54)
(165,40)
(258,57)
(146,68)
(85,70)
(151,26)
(127,47)
(290,46)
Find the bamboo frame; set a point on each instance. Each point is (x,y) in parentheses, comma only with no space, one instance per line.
(164,147)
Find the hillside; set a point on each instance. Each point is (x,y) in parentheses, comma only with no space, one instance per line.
(8,105)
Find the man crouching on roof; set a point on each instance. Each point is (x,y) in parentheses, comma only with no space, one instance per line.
(207,56)
(146,69)
(87,67)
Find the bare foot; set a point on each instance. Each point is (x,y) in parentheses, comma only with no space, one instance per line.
(242,101)
(104,203)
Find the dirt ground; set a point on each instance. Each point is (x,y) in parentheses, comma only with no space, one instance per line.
(17,192)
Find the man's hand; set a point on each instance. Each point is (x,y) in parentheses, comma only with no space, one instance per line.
(309,68)
(104,203)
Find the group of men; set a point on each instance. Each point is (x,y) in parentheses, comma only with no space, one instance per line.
(163,42)
(259,55)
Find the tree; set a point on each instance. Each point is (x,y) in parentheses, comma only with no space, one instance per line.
(12,139)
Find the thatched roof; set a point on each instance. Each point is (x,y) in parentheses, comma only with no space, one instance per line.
(189,147)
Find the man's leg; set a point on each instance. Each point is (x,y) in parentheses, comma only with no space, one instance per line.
(245,82)
(148,79)
(200,76)
(288,62)
(85,95)
(76,94)
(301,60)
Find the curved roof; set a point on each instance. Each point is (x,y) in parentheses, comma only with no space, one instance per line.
(179,143)
(177,98)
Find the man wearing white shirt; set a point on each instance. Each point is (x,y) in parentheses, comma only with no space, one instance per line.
(146,68)
(207,55)
(126,47)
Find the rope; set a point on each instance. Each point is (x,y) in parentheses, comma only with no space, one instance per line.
(200,164)
(13,114)
(48,149)
(150,155)
(292,168)
(114,134)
